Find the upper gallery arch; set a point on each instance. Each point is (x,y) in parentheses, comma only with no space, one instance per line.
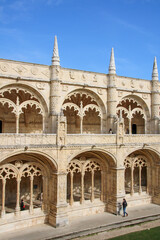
(85,112)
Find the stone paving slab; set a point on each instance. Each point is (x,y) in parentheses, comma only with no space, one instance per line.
(45,231)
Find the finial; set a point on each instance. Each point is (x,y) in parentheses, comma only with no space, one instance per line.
(112,66)
(55,57)
(155,71)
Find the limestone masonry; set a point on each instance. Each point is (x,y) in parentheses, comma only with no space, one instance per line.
(75,143)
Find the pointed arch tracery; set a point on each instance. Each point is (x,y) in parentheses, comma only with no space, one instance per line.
(83,111)
(133,113)
(20,170)
(23,102)
(135,174)
(79,168)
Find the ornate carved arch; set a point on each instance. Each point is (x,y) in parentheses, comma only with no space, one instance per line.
(8,171)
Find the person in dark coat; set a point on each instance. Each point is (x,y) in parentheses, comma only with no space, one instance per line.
(22,205)
(124,204)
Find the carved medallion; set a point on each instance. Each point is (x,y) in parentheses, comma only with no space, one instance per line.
(34,70)
(4,67)
(40,86)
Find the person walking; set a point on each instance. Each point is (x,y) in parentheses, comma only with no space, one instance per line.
(124,204)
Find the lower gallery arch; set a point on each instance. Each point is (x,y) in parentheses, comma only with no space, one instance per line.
(141,177)
(26,177)
(90,183)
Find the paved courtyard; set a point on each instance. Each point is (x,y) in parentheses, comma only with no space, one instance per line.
(87,225)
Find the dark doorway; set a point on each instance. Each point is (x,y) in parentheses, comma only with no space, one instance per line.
(134,128)
(0,126)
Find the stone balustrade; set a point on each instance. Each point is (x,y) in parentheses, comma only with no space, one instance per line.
(20,140)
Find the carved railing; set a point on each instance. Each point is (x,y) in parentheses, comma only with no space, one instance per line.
(9,139)
(20,140)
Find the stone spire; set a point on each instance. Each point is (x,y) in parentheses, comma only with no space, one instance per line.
(112,66)
(155,71)
(55,57)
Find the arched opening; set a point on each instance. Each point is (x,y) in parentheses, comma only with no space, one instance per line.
(134,113)
(83,112)
(21,111)
(25,179)
(136,174)
(89,182)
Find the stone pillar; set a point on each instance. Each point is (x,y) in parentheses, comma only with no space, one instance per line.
(140,173)
(61,130)
(45,194)
(71,197)
(18,197)
(3,198)
(111,94)
(111,103)
(82,187)
(31,195)
(17,124)
(102,186)
(155,99)
(92,190)
(132,181)
(58,205)
(118,189)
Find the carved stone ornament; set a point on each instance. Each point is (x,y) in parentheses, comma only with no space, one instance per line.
(83,76)
(64,88)
(123,83)
(144,96)
(95,78)
(99,91)
(40,86)
(34,70)
(4,67)
(132,83)
(141,86)
(20,69)
(46,73)
(72,75)
(120,94)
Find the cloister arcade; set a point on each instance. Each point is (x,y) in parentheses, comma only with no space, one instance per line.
(21,111)
(26,178)
(134,114)
(84,112)
(136,174)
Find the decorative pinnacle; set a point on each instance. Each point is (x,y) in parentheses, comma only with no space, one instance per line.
(155,71)
(112,66)
(55,57)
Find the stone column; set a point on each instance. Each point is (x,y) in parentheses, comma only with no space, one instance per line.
(92,193)
(82,187)
(44,194)
(31,195)
(3,197)
(71,197)
(140,187)
(58,204)
(132,181)
(17,124)
(155,98)
(18,196)
(81,124)
(102,186)
(111,94)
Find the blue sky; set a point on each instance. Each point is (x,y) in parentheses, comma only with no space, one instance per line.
(86,32)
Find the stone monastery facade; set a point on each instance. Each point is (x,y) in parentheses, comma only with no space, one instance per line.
(74,143)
